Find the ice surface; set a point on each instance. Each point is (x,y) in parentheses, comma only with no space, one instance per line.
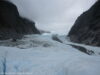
(40,55)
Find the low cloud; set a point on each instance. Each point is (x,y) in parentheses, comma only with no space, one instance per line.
(53,15)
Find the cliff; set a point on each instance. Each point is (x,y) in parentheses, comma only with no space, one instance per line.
(86,29)
(12,25)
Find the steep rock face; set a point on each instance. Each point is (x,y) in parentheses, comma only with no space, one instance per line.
(12,25)
(86,29)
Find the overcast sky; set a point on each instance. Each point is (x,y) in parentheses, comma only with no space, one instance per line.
(53,15)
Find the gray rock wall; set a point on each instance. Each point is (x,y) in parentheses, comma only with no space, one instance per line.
(86,29)
(12,25)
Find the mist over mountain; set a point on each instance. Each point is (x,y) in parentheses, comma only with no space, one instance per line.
(12,25)
(53,15)
(27,46)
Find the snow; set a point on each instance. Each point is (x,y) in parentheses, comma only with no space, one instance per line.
(44,56)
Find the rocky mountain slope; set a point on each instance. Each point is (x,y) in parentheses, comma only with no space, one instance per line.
(86,29)
(12,25)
